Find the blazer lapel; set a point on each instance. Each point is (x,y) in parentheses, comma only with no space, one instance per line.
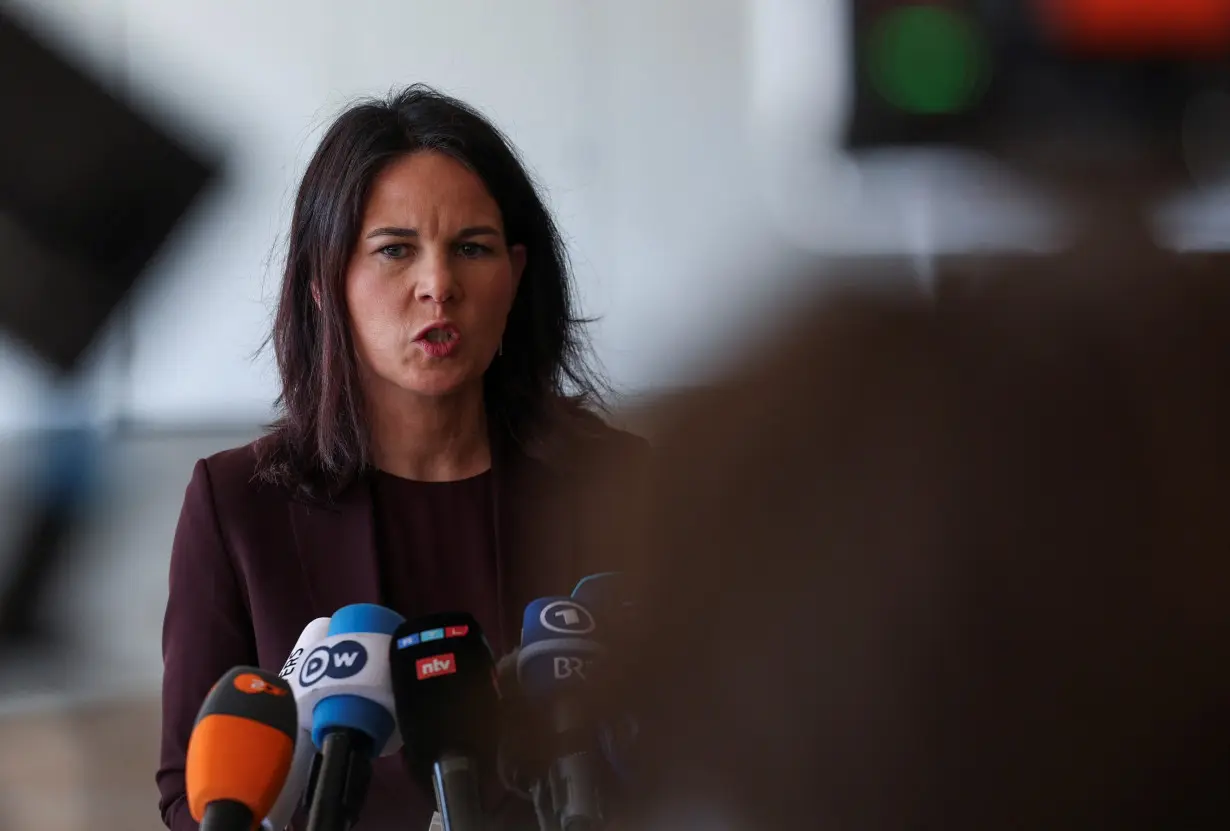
(337,550)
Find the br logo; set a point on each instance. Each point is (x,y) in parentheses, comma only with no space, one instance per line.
(344,659)
(566,618)
(570,666)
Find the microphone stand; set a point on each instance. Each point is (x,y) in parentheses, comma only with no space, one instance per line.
(340,777)
(457,796)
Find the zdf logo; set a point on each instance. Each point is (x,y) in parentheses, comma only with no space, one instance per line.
(566,618)
(253,685)
(343,659)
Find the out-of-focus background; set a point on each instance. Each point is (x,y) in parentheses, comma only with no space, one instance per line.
(689,148)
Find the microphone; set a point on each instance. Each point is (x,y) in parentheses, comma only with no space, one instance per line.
(448,707)
(291,798)
(555,667)
(240,749)
(609,597)
(345,684)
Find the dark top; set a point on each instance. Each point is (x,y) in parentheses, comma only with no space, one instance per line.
(252,564)
(455,521)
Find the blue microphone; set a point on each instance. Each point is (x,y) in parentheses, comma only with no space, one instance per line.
(555,670)
(346,683)
(609,597)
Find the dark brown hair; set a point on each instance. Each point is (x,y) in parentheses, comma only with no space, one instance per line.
(320,441)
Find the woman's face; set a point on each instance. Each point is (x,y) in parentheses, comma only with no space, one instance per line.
(431,280)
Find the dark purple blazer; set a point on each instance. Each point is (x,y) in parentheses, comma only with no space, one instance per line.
(251,565)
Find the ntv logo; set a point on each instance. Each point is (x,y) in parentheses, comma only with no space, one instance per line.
(435,666)
(344,659)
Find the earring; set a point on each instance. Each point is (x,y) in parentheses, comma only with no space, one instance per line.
(501,351)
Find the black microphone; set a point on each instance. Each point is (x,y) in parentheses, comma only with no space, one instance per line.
(447,702)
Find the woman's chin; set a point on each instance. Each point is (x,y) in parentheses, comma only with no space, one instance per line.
(438,384)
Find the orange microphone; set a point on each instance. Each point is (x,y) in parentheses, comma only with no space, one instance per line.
(240,751)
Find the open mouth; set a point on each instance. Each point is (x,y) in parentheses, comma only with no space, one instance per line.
(440,340)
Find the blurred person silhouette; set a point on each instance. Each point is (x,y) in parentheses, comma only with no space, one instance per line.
(435,382)
(953,562)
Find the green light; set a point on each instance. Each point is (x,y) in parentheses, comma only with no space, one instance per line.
(927,60)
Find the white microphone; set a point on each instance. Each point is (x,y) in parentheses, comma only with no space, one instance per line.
(305,751)
(347,687)
(351,664)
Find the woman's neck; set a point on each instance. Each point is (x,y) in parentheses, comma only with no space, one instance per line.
(430,439)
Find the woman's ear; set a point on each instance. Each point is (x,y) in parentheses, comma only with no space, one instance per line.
(316,294)
(517,255)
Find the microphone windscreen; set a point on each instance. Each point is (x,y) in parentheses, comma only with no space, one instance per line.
(445,689)
(609,597)
(345,678)
(311,635)
(289,799)
(241,747)
(557,647)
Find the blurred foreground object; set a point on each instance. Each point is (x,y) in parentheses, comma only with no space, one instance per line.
(1061,84)
(959,559)
(948,563)
(88,192)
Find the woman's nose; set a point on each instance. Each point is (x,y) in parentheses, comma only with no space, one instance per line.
(436,283)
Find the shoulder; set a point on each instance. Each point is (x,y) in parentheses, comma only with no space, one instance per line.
(233,476)
(598,432)
(579,435)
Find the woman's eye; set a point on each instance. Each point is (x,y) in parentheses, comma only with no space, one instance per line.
(394,251)
(471,250)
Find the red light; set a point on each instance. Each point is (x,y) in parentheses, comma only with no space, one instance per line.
(1140,27)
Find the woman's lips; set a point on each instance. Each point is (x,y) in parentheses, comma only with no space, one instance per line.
(439,340)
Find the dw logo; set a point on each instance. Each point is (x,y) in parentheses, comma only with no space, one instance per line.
(344,659)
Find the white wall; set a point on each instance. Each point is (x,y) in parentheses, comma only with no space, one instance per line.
(687,148)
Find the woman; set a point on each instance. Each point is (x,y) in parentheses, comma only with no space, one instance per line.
(425,339)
